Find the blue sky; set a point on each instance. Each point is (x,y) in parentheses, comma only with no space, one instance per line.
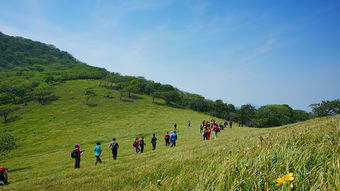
(258,52)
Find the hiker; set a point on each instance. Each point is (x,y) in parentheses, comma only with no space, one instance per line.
(76,154)
(205,134)
(114,147)
(175,126)
(141,144)
(216,129)
(3,175)
(167,139)
(189,123)
(136,145)
(231,124)
(153,142)
(98,150)
(173,138)
(226,124)
(209,133)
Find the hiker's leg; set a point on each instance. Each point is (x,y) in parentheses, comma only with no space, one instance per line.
(79,162)
(114,155)
(2,177)
(100,160)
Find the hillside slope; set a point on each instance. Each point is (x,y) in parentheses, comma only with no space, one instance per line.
(238,159)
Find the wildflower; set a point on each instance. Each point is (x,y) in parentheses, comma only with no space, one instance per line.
(289,177)
(280,180)
(285,179)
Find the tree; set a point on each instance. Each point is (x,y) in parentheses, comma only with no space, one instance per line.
(273,115)
(155,95)
(171,96)
(246,114)
(6,98)
(326,108)
(89,93)
(5,110)
(300,115)
(43,92)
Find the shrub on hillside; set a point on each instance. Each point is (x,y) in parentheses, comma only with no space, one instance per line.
(7,142)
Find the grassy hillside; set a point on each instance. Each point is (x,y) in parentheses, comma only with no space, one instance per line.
(242,158)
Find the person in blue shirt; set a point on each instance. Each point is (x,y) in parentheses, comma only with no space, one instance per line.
(173,139)
(98,150)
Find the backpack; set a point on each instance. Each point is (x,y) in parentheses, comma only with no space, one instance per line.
(114,146)
(73,154)
(134,144)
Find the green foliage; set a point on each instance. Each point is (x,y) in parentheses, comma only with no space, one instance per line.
(300,115)
(326,108)
(273,115)
(171,96)
(43,93)
(5,110)
(7,142)
(246,114)
(89,93)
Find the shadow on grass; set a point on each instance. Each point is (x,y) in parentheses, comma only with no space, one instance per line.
(170,105)
(135,97)
(20,169)
(49,99)
(126,100)
(14,118)
(92,105)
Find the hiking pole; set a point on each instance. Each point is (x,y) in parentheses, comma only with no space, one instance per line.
(109,155)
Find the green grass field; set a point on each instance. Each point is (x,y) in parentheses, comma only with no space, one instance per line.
(241,158)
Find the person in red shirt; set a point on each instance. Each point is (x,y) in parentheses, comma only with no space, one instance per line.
(136,145)
(3,174)
(216,129)
(77,153)
(209,133)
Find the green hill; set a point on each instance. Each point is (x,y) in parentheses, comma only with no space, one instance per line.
(241,158)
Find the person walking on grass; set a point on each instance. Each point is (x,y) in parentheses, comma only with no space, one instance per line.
(142,144)
(136,145)
(98,150)
(205,134)
(3,175)
(114,147)
(154,142)
(189,123)
(216,129)
(173,138)
(167,139)
(76,154)
(231,124)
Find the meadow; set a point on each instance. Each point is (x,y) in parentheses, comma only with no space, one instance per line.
(242,158)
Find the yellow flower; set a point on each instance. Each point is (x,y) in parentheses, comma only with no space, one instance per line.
(280,180)
(289,177)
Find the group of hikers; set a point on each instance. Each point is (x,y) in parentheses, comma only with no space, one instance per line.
(139,143)
(212,126)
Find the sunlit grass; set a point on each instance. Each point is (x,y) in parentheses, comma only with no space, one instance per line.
(240,159)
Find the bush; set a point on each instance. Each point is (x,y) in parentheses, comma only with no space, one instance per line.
(7,142)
